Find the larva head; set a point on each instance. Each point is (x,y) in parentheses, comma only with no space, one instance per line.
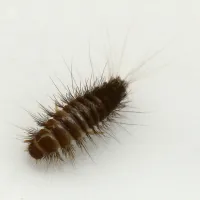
(42,144)
(119,85)
(116,89)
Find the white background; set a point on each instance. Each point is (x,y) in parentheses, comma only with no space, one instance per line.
(160,160)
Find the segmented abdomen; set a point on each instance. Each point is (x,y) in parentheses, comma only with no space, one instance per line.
(79,117)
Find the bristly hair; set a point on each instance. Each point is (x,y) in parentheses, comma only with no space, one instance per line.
(88,110)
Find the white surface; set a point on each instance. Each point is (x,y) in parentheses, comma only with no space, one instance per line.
(157,161)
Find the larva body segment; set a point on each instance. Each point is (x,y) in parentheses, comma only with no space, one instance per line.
(82,114)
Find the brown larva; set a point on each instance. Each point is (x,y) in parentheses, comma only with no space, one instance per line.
(87,111)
